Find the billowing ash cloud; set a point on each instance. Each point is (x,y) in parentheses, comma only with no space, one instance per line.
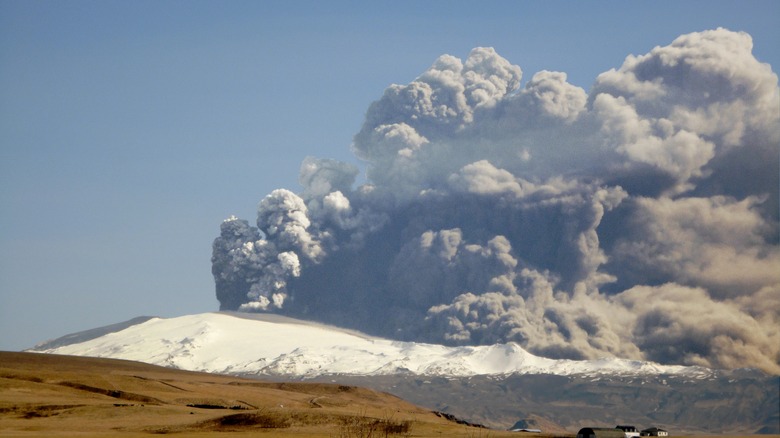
(639,220)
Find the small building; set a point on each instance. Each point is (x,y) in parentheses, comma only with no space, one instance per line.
(654,431)
(600,432)
(629,431)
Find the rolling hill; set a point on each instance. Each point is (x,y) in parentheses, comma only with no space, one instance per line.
(53,395)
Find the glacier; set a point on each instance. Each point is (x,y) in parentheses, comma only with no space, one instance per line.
(271,345)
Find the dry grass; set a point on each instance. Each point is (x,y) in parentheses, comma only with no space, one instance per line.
(48,395)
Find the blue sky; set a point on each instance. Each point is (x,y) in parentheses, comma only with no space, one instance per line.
(130,130)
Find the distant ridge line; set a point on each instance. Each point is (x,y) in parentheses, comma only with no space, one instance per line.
(88,335)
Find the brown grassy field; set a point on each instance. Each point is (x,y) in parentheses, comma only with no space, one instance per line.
(49,395)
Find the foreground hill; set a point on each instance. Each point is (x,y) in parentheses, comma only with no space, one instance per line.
(52,395)
(493,385)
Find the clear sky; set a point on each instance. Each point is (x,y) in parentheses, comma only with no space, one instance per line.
(130,130)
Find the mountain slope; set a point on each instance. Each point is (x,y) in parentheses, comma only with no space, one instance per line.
(88,335)
(737,403)
(239,343)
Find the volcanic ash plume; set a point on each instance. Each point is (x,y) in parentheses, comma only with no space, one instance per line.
(639,220)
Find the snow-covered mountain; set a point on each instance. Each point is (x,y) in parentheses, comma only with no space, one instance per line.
(243,343)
